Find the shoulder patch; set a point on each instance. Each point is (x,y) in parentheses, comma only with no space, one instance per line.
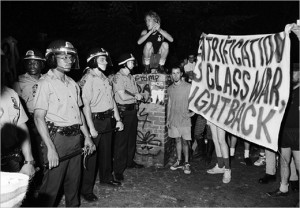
(15,103)
(82,82)
(116,78)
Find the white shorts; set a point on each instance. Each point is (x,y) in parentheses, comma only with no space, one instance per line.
(184,132)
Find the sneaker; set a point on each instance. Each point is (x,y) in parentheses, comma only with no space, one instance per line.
(216,170)
(176,165)
(277,193)
(261,161)
(226,175)
(186,168)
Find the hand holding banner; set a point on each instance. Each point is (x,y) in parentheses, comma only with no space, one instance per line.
(242,84)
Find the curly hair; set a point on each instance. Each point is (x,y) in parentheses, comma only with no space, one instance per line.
(153,15)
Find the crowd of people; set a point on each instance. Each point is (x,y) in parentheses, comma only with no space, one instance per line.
(97,117)
(65,116)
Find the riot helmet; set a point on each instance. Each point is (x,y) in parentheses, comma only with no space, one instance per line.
(125,58)
(61,47)
(93,56)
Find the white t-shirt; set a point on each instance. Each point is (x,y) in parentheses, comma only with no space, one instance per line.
(189,66)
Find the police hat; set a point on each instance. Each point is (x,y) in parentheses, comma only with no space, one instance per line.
(34,55)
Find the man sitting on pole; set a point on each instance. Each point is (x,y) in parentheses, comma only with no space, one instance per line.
(155,44)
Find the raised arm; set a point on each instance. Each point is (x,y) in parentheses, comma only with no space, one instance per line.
(166,35)
(144,36)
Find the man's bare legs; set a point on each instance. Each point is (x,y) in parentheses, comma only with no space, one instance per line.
(179,148)
(285,160)
(182,145)
(148,51)
(219,168)
(163,51)
(223,146)
(185,148)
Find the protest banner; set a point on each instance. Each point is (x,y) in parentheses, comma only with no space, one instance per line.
(242,84)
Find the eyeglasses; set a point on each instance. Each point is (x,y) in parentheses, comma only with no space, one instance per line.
(65,58)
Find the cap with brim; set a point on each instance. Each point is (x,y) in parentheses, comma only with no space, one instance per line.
(32,55)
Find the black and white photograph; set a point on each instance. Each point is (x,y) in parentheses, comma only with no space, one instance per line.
(150,103)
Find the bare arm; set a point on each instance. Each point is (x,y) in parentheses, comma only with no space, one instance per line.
(163,32)
(39,120)
(88,116)
(144,36)
(166,34)
(88,143)
(168,112)
(27,169)
(119,123)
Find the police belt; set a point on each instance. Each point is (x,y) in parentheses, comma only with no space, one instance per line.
(73,130)
(126,107)
(103,115)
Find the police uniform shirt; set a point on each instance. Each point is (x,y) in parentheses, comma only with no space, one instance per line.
(123,82)
(60,99)
(11,110)
(97,90)
(26,89)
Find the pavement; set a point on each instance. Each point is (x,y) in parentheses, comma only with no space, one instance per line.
(162,187)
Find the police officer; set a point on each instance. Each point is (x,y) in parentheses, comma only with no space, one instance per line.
(12,120)
(34,63)
(126,95)
(101,112)
(59,120)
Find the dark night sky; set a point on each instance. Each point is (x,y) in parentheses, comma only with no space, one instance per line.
(185,21)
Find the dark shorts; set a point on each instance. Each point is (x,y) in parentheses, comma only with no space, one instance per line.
(290,139)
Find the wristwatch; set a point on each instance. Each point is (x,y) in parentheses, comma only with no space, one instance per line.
(32,162)
(119,120)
